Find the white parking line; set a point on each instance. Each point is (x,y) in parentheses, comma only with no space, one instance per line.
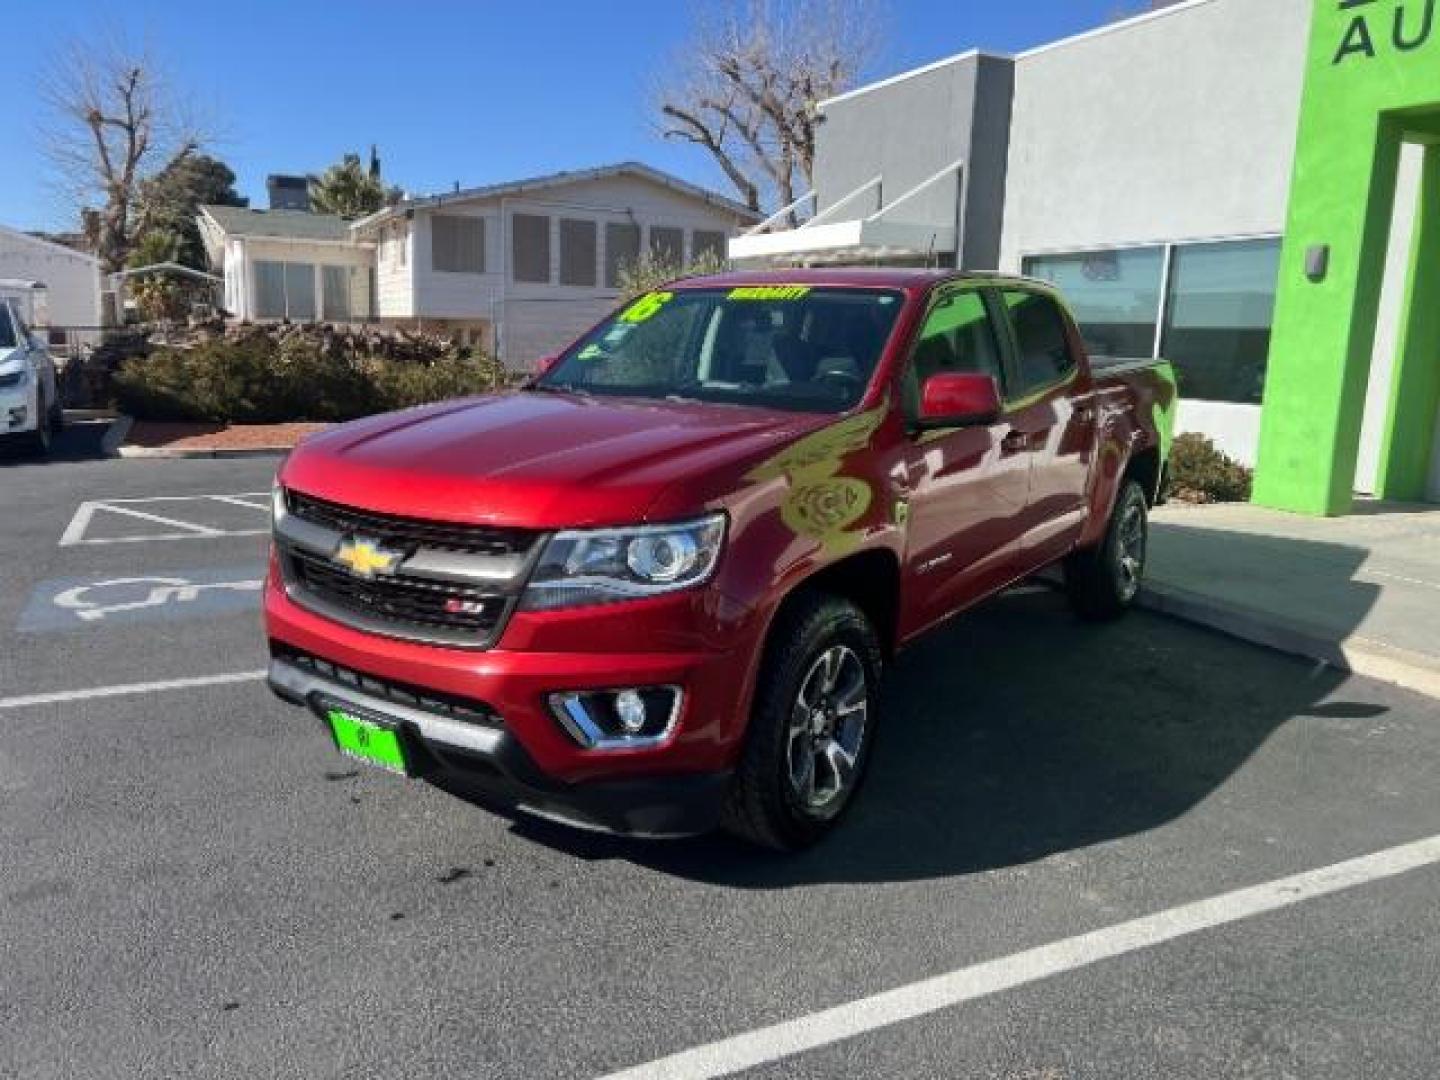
(770,1044)
(85,516)
(124,689)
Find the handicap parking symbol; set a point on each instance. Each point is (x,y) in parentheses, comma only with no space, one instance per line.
(71,603)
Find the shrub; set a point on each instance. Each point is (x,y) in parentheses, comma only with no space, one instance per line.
(273,375)
(1200,473)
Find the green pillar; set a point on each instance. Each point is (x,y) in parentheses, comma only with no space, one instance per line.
(1372,82)
(1415,385)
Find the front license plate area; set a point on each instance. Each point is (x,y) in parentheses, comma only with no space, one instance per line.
(366,738)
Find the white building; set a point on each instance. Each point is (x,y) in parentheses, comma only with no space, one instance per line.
(1145,168)
(71,280)
(520,267)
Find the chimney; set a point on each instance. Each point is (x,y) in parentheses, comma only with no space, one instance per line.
(288,192)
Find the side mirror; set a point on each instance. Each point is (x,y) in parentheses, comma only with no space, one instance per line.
(958,399)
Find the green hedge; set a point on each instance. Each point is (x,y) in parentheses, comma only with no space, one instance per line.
(262,377)
(1200,473)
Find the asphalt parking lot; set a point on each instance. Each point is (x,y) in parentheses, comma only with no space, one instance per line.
(1064,832)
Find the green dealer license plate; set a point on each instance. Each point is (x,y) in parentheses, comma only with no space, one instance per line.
(368,741)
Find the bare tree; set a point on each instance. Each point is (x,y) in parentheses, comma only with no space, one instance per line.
(110,123)
(752,77)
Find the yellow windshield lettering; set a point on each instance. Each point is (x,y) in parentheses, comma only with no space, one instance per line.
(770,292)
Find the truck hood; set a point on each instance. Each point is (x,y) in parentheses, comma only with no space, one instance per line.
(535,459)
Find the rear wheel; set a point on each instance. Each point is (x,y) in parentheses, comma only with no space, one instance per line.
(811,728)
(1103,581)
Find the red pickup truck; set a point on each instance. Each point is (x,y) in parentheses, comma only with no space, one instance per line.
(653,590)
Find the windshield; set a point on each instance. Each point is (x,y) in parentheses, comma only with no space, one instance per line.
(790,347)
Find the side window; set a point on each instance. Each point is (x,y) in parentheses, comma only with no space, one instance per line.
(1042,345)
(957,336)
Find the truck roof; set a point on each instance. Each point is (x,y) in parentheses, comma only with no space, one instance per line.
(879,277)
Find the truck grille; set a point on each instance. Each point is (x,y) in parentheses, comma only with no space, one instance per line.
(454,584)
(402,532)
(412,601)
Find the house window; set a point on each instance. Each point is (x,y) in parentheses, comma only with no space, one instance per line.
(667,246)
(336,283)
(457,244)
(1218,318)
(622,249)
(1115,296)
(708,244)
(285,291)
(577,252)
(530,248)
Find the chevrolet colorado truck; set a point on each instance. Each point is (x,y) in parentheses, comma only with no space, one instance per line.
(653,590)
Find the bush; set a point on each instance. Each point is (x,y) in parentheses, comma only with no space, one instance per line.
(274,375)
(1200,473)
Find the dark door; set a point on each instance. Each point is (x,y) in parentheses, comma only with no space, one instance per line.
(967,486)
(1051,410)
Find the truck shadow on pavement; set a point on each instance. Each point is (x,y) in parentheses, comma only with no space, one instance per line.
(81,440)
(1018,732)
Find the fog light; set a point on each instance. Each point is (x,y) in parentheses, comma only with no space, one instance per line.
(630,707)
(626,719)
(18,415)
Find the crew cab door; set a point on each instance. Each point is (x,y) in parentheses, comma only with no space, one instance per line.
(965,487)
(1050,408)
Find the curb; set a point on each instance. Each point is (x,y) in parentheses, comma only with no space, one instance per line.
(1354,654)
(166,453)
(115,435)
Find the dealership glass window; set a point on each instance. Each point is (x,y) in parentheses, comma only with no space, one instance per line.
(530,248)
(577,251)
(1115,296)
(1218,318)
(622,249)
(457,244)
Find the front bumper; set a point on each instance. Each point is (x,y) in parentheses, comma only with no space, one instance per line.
(489,763)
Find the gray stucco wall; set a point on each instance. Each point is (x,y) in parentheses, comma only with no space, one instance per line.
(908,130)
(1181,126)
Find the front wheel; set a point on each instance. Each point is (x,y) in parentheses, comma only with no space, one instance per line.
(811,728)
(1103,581)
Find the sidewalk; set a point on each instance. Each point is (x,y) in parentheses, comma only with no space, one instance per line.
(1361,593)
(144,438)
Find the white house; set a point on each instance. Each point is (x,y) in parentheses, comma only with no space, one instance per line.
(288,264)
(520,267)
(71,279)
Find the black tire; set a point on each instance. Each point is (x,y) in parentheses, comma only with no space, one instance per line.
(38,443)
(768,804)
(1103,581)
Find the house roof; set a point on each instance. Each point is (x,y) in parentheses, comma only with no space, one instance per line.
(277,224)
(50,245)
(551,180)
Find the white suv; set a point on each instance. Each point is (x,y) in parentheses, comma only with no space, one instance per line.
(30,409)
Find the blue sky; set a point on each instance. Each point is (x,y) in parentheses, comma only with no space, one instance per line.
(474,91)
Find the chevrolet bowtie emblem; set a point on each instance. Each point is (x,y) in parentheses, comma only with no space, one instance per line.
(366,558)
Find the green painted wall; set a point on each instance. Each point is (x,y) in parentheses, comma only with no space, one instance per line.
(1372,82)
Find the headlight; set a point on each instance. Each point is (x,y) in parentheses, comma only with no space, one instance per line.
(10,380)
(597,566)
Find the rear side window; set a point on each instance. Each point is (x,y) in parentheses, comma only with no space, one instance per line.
(1042,344)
